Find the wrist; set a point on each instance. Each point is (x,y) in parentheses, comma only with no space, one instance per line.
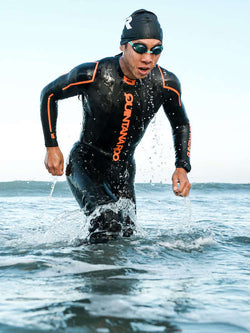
(183,165)
(181,170)
(52,148)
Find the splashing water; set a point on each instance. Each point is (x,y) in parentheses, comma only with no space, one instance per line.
(71,227)
(187,235)
(123,204)
(52,188)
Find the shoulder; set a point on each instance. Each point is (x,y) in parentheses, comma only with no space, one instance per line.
(108,69)
(108,60)
(108,64)
(167,78)
(85,72)
(90,70)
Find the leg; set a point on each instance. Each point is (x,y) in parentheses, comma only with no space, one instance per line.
(93,194)
(85,181)
(121,184)
(105,227)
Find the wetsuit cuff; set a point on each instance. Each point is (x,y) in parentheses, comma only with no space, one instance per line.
(183,164)
(51,143)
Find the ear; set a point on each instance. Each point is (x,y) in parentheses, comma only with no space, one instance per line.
(122,47)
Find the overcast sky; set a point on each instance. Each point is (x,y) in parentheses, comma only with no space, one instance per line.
(206,44)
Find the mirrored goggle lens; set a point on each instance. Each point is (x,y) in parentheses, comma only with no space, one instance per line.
(157,49)
(141,48)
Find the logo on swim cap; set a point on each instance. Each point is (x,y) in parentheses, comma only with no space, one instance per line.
(128,20)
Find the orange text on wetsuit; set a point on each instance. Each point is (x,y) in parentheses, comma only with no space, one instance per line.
(125,126)
(189,142)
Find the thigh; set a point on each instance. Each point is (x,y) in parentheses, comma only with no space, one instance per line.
(121,181)
(88,187)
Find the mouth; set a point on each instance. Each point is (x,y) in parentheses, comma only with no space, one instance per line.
(143,70)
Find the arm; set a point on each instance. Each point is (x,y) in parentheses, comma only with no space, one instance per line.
(179,121)
(65,86)
(54,161)
(48,103)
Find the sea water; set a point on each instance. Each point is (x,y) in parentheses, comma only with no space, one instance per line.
(187,269)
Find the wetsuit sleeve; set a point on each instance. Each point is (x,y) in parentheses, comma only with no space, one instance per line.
(68,85)
(175,111)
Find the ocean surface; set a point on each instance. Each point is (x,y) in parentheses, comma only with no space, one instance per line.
(187,269)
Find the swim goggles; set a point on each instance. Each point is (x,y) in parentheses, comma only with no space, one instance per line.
(141,48)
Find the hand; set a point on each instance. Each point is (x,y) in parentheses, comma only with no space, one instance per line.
(54,161)
(180,182)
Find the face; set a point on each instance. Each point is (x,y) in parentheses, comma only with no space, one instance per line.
(135,65)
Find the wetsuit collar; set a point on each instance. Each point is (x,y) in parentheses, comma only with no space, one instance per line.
(129,81)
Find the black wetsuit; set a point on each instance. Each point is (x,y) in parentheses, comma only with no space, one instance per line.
(117,111)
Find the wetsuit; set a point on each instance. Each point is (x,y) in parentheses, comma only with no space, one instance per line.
(117,111)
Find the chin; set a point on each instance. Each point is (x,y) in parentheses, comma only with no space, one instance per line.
(139,76)
(142,76)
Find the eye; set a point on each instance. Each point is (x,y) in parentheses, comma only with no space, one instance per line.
(157,49)
(140,48)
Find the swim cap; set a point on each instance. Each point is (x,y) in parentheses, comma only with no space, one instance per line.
(141,24)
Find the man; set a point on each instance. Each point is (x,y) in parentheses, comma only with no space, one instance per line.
(120,96)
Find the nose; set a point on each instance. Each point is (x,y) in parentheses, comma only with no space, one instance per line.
(147,58)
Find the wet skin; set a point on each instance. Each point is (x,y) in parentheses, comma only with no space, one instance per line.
(135,65)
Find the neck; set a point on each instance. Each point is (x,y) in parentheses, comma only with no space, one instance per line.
(125,70)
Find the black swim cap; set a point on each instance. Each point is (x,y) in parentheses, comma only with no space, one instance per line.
(142,24)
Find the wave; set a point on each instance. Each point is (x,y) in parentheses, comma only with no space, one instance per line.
(43,188)
(33,188)
(221,186)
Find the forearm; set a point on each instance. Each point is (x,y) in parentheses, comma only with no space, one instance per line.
(175,111)
(48,113)
(182,145)
(181,134)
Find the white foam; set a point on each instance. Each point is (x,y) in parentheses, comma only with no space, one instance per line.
(194,245)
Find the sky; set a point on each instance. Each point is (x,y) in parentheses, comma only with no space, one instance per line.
(206,44)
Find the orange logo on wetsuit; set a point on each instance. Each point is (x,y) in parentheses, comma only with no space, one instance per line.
(189,142)
(125,126)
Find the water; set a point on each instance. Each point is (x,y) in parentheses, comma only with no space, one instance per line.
(186,270)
